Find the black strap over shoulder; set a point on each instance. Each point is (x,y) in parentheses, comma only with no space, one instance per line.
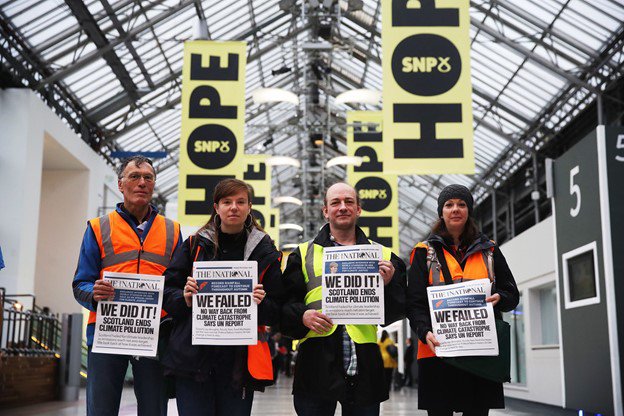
(448,279)
(441,259)
(194,243)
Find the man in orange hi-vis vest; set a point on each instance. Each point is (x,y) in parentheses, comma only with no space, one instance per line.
(134,238)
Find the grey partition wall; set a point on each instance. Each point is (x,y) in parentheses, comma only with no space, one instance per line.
(587,203)
(612,163)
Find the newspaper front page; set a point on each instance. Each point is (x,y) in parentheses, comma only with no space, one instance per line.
(224,312)
(352,288)
(462,321)
(129,323)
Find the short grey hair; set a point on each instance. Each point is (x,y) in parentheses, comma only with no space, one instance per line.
(138,160)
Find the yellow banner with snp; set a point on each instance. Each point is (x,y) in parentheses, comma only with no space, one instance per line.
(258,174)
(273,226)
(427,103)
(378,191)
(213,121)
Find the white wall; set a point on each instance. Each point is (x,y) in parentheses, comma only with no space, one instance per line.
(61,225)
(38,150)
(171,211)
(20,174)
(531,258)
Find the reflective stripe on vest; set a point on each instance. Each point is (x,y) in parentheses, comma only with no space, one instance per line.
(121,249)
(476,268)
(112,257)
(312,267)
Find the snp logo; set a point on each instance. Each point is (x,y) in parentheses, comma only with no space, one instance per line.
(373,194)
(212,146)
(426,64)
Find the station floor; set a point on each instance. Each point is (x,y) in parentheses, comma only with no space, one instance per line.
(277,401)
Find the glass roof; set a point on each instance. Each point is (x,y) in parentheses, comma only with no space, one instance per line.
(117,64)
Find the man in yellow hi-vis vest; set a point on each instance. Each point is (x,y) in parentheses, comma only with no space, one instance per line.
(337,363)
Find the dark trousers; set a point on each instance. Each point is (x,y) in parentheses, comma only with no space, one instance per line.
(277,366)
(388,378)
(287,366)
(306,406)
(105,378)
(211,398)
(407,380)
(478,412)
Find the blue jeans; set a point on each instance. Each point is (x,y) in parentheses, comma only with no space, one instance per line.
(213,397)
(105,377)
(306,406)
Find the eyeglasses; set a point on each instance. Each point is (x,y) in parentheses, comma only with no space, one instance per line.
(135,177)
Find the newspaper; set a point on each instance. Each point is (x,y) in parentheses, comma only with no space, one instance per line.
(129,323)
(224,312)
(352,288)
(462,321)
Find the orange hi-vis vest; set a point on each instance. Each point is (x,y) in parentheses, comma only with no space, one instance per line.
(122,250)
(478,266)
(259,362)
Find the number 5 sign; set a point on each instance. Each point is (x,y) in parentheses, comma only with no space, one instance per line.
(576,191)
(619,144)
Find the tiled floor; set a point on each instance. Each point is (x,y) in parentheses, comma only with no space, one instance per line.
(277,401)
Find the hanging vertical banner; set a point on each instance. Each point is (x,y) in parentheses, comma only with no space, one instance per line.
(273,226)
(213,119)
(377,190)
(257,174)
(427,105)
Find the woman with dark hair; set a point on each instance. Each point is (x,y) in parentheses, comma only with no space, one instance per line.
(458,250)
(221,380)
(389,353)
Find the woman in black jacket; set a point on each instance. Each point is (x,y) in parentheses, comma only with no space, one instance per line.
(221,380)
(462,253)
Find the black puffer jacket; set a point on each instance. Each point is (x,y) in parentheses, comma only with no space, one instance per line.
(417,308)
(198,362)
(436,378)
(319,371)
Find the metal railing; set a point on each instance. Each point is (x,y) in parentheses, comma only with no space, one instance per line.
(31,332)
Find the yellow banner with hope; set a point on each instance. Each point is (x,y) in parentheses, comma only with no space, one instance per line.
(378,191)
(427,90)
(213,121)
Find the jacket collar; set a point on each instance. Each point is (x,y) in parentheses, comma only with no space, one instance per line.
(253,239)
(482,242)
(153,211)
(323,238)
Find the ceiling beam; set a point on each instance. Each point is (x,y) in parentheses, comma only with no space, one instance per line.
(521,50)
(93,31)
(544,27)
(493,101)
(507,23)
(500,133)
(75,29)
(122,32)
(98,53)
(178,74)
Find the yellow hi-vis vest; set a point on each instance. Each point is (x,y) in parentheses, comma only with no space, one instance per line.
(312,265)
